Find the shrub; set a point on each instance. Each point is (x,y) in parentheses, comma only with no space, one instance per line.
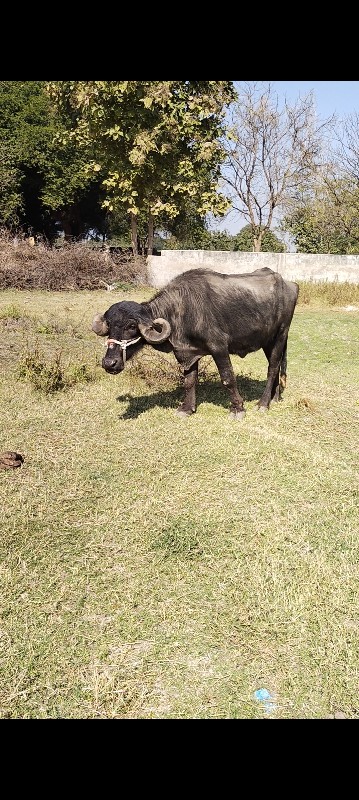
(332,293)
(72,266)
(49,375)
(157,369)
(12,312)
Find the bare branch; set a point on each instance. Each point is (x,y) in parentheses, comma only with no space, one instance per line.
(272,152)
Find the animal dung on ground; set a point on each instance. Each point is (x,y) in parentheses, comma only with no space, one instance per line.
(9,459)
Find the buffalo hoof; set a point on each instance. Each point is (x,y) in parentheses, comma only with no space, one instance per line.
(262,408)
(277,398)
(237,415)
(183,414)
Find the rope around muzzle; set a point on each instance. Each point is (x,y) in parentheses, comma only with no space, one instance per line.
(123,344)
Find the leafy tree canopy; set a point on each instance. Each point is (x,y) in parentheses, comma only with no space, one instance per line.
(245,240)
(327,222)
(156,142)
(203,239)
(42,177)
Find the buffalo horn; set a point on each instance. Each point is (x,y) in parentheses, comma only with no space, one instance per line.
(151,335)
(99,325)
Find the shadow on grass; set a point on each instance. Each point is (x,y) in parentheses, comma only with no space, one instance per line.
(207,392)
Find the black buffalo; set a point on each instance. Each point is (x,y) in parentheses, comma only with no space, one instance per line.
(201,313)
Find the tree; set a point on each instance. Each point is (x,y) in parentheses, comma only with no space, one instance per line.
(10,194)
(347,150)
(43,179)
(203,239)
(156,142)
(327,221)
(24,135)
(197,239)
(272,154)
(244,241)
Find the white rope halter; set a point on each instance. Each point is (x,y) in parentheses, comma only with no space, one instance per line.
(123,344)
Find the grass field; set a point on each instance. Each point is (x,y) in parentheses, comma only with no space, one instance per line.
(155,567)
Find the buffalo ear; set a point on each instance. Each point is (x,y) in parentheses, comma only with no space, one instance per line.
(149,332)
(99,325)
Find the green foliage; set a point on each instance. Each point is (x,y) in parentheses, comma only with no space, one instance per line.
(218,240)
(123,286)
(199,238)
(185,231)
(25,133)
(43,176)
(118,226)
(10,195)
(11,312)
(328,222)
(270,242)
(155,141)
(86,153)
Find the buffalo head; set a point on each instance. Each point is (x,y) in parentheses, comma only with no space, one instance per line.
(128,327)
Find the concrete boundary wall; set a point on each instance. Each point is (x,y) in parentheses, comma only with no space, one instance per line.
(293,266)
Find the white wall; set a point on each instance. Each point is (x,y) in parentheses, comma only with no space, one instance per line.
(293,266)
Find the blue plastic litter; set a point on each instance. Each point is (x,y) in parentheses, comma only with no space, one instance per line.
(262,694)
(265,697)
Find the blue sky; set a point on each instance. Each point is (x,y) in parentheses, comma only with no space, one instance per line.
(331,97)
(339,97)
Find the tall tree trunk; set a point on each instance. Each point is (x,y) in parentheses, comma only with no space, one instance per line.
(260,240)
(67,229)
(257,242)
(150,234)
(134,234)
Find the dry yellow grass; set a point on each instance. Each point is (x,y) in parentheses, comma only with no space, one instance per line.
(158,568)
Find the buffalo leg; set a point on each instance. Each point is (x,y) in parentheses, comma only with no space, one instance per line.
(228,379)
(276,376)
(188,406)
(278,390)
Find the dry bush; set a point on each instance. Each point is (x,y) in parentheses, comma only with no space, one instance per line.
(49,374)
(160,370)
(72,266)
(332,293)
(156,369)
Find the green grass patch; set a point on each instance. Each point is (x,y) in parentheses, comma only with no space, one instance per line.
(11,312)
(154,567)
